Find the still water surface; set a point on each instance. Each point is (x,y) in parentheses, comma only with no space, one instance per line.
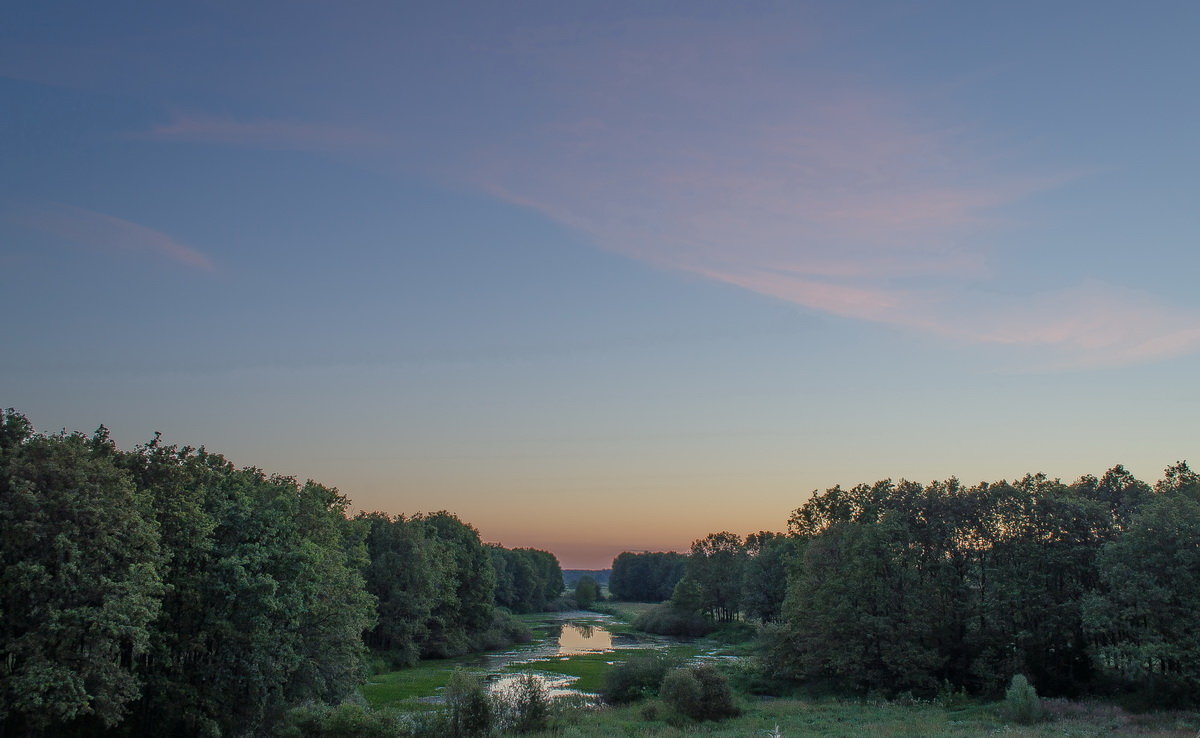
(559,637)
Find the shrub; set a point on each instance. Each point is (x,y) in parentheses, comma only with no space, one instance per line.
(668,620)
(736,632)
(635,679)
(344,721)
(682,690)
(1021,704)
(504,630)
(469,706)
(699,692)
(528,705)
(586,592)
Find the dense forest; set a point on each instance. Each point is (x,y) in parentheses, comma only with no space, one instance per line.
(897,587)
(163,591)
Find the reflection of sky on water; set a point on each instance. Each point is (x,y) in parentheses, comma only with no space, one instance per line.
(577,634)
(556,685)
(577,638)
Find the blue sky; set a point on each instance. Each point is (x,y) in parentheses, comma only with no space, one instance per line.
(599,276)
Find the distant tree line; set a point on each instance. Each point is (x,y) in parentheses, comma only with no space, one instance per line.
(645,577)
(599,576)
(163,591)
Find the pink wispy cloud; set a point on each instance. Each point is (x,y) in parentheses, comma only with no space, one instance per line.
(110,234)
(264,133)
(714,153)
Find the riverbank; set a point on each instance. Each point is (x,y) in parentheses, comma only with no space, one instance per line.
(572,652)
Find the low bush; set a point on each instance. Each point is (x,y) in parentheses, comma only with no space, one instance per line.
(1021,704)
(347,720)
(504,631)
(736,632)
(524,708)
(699,692)
(468,705)
(681,690)
(635,679)
(667,620)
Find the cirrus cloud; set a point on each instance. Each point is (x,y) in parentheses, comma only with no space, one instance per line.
(718,157)
(109,234)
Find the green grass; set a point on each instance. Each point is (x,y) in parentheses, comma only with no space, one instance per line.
(402,688)
(847,719)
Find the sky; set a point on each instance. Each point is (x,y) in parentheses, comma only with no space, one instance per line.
(606,276)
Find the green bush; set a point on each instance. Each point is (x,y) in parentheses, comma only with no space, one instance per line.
(1021,704)
(504,630)
(668,620)
(635,679)
(468,704)
(344,721)
(736,632)
(527,707)
(699,692)
(682,690)
(586,592)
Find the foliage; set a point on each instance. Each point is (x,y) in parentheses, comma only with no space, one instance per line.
(527,579)
(407,571)
(526,707)
(586,592)
(765,576)
(635,679)
(164,591)
(347,720)
(666,619)
(699,692)
(646,577)
(504,631)
(465,607)
(1021,704)
(899,586)
(717,566)
(80,581)
(1144,617)
(682,691)
(469,705)
(265,607)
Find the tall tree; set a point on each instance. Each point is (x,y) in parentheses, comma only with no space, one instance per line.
(716,564)
(407,570)
(765,576)
(467,604)
(80,582)
(1144,619)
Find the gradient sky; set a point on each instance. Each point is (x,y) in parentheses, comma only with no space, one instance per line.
(604,276)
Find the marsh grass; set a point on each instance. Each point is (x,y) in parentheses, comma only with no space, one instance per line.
(404,687)
(853,719)
(591,668)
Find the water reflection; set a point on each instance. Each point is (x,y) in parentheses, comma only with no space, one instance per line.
(556,685)
(577,638)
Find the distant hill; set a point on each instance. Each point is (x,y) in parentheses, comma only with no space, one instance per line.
(571,576)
